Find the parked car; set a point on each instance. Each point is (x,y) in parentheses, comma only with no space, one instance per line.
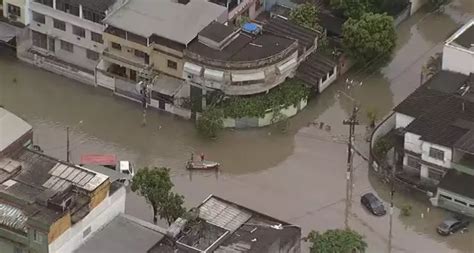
(452,225)
(373,204)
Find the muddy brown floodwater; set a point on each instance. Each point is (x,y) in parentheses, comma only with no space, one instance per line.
(298,176)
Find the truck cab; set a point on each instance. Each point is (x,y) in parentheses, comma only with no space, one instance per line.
(102,163)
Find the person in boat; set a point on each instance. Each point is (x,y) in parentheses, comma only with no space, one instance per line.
(202,157)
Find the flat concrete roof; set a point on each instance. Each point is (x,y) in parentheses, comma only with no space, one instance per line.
(12,128)
(174,21)
(124,234)
(464,37)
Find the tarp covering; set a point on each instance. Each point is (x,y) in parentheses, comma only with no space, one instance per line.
(214,74)
(192,68)
(7,32)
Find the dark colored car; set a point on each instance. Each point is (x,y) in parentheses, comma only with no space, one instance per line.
(452,225)
(373,204)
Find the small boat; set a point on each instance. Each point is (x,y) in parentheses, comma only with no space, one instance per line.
(202,165)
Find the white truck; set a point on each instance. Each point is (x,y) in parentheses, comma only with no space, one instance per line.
(121,171)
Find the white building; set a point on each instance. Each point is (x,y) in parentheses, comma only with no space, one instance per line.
(458,51)
(438,125)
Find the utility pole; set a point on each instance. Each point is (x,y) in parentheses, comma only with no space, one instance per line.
(145,75)
(68,151)
(392,193)
(351,122)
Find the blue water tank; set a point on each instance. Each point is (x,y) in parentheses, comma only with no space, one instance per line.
(251,28)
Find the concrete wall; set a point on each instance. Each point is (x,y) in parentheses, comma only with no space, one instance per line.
(265,120)
(458,59)
(416,5)
(402,16)
(382,129)
(451,204)
(24,5)
(104,79)
(413,142)
(160,63)
(329,79)
(402,120)
(96,219)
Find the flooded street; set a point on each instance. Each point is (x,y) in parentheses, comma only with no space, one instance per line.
(298,176)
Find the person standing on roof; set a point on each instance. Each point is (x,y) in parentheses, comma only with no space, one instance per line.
(202,156)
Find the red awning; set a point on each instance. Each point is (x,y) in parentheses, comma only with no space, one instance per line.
(99,159)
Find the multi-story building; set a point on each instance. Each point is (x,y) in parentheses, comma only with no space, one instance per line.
(69,32)
(242,8)
(16,11)
(47,205)
(134,50)
(437,123)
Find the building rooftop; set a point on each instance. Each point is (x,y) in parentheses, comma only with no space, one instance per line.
(41,186)
(464,37)
(315,67)
(97,5)
(217,31)
(305,37)
(223,226)
(244,48)
(124,234)
(443,109)
(12,128)
(458,182)
(166,18)
(437,88)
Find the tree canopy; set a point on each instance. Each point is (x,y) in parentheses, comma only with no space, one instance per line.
(155,185)
(357,8)
(306,15)
(341,241)
(370,37)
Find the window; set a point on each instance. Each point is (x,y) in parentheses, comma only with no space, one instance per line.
(39,39)
(66,6)
(413,162)
(14,10)
(58,24)
(436,153)
(116,46)
(97,37)
(40,18)
(92,15)
(460,202)
(45,2)
(172,64)
(86,232)
(79,31)
(139,53)
(92,55)
(445,197)
(37,237)
(66,46)
(435,174)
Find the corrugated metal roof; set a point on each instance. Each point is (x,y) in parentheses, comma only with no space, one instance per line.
(12,217)
(222,214)
(62,176)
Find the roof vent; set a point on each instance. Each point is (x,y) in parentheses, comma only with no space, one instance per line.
(252,28)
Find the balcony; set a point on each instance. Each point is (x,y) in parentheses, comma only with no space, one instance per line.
(132,62)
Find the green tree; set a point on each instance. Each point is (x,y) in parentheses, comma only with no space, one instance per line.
(155,185)
(338,240)
(210,122)
(372,37)
(353,8)
(306,15)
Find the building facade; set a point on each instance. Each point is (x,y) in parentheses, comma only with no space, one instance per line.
(47,205)
(69,32)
